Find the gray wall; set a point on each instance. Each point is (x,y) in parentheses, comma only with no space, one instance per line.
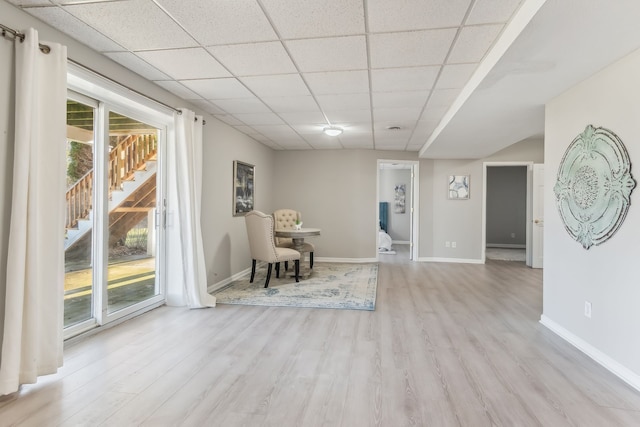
(399,224)
(605,275)
(506,205)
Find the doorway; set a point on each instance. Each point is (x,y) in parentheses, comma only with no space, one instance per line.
(114,244)
(507,212)
(396,209)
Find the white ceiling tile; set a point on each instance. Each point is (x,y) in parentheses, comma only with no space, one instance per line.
(134,24)
(492,11)
(338,82)
(443,97)
(253,119)
(394,79)
(279,85)
(242,105)
(323,142)
(185,64)
(400,99)
(433,114)
(218,88)
(254,59)
(205,105)
(294,144)
(353,101)
(396,114)
(67,23)
(309,129)
(473,43)
(221,22)
(178,89)
(302,117)
(349,116)
(286,104)
(137,65)
(228,119)
(410,49)
(312,18)
(275,132)
(247,130)
(405,15)
(357,143)
(455,76)
(329,54)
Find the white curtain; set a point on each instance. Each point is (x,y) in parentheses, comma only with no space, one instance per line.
(32,342)
(188,158)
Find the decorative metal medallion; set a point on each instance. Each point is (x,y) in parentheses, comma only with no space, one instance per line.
(594,185)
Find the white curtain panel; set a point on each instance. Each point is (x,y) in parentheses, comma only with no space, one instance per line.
(34,306)
(188,168)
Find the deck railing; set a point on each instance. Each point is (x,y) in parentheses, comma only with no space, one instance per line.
(127,157)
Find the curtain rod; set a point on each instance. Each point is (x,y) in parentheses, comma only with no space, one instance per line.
(17,35)
(178,111)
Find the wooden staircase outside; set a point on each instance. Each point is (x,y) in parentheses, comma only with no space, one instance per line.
(129,156)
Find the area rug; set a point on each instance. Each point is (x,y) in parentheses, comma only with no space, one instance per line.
(331,285)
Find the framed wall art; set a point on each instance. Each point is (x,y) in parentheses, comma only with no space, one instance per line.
(243,187)
(458,188)
(594,185)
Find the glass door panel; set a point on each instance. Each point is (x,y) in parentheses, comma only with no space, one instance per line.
(78,285)
(132,188)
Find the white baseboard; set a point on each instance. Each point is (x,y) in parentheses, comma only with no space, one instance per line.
(221,284)
(506,246)
(599,357)
(455,260)
(400,242)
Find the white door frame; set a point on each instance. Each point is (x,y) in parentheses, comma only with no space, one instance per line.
(529,166)
(413,208)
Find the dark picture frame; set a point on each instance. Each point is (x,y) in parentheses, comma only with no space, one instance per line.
(243,187)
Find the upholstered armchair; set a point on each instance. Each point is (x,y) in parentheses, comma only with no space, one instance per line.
(262,245)
(285,219)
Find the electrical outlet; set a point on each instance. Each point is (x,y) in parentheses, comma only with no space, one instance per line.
(587,309)
(453,244)
(513,235)
(447,244)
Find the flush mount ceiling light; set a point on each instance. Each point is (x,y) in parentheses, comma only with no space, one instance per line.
(332,130)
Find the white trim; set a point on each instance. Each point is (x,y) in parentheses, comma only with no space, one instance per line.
(599,357)
(400,242)
(221,284)
(451,260)
(505,246)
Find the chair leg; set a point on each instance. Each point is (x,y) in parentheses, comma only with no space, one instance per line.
(266,283)
(286,266)
(310,259)
(253,270)
(277,270)
(297,267)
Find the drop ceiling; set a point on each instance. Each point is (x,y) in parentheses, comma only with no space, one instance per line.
(459,78)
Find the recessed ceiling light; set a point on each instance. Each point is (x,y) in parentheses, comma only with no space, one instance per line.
(332,130)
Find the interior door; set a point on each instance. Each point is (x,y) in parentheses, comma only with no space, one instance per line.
(538,216)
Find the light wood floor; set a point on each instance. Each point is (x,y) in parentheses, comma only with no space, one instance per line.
(448,345)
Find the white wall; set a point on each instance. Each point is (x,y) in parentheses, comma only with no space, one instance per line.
(606,275)
(399,224)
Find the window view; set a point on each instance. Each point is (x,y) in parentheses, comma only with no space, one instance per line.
(130,193)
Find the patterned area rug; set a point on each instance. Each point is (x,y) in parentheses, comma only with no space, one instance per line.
(331,285)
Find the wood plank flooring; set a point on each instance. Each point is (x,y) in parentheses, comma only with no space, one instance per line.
(448,345)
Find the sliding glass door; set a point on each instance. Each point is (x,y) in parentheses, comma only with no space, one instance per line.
(114,241)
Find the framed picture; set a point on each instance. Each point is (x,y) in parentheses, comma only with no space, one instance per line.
(400,198)
(243,187)
(458,188)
